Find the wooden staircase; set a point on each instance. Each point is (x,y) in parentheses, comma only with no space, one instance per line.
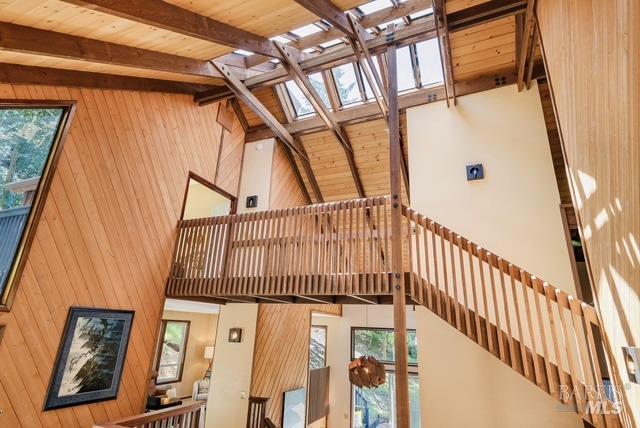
(340,253)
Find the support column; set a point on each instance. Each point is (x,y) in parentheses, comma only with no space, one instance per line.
(399,295)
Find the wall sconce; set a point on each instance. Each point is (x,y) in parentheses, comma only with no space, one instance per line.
(252,201)
(475,172)
(235,335)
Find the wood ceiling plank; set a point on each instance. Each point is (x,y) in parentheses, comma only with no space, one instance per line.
(328,11)
(176,19)
(18,38)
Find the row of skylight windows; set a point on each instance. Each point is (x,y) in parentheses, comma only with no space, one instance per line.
(353,88)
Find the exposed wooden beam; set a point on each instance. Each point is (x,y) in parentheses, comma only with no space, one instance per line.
(532,53)
(30,75)
(442,30)
(329,12)
(169,17)
(290,62)
(239,113)
(527,40)
(18,38)
(399,295)
(241,91)
(370,111)
(484,12)
(369,69)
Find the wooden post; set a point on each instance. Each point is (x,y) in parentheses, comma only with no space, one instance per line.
(399,295)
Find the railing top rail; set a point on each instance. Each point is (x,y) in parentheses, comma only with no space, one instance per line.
(11,212)
(281,212)
(154,415)
(510,269)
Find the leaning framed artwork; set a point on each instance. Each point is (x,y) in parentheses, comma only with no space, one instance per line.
(90,360)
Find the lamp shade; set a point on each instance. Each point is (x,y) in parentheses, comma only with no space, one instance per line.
(208,352)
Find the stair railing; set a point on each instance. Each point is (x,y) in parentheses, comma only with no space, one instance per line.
(190,415)
(542,332)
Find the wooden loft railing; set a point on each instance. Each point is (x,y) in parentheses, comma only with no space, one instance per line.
(190,415)
(334,249)
(341,252)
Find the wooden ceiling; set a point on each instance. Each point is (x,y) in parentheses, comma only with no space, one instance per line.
(167,45)
(265,18)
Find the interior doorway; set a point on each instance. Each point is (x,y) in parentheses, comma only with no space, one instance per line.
(204,199)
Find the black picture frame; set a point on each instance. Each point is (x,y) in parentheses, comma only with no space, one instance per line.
(115,343)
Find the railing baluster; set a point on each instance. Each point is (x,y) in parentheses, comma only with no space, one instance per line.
(481,256)
(454,281)
(496,308)
(435,270)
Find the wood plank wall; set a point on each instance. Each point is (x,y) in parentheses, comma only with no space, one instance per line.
(591,50)
(554,142)
(105,237)
(281,353)
(285,191)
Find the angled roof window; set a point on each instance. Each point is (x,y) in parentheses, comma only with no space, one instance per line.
(347,84)
(429,61)
(301,105)
(397,21)
(405,70)
(318,83)
(280,39)
(331,43)
(243,52)
(307,30)
(367,87)
(421,14)
(374,6)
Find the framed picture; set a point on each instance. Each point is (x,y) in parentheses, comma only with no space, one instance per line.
(90,358)
(295,408)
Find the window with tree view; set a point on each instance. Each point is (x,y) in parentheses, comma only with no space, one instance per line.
(29,138)
(170,359)
(318,347)
(375,407)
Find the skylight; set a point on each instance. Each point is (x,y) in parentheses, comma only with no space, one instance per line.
(374,6)
(280,39)
(307,30)
(318,83)
(347,84)
(367,87)
(243,52)
(301,104)
(421,14)
(405,70)
(429,61)
(395,21)
(331,43)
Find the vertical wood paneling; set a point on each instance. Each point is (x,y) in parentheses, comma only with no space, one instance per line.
(106,236)
(285,191)
(591,52)
(281,353)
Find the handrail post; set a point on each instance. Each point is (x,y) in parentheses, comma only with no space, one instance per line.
(399,295)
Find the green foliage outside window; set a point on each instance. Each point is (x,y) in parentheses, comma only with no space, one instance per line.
(379,343)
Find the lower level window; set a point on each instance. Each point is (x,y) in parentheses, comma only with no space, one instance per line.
(376,407)
(170,359)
